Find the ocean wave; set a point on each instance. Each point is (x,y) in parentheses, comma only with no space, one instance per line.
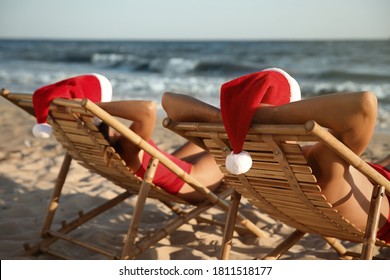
(170,65)
(337,75)
(117,60)
(315,87)
(225,67)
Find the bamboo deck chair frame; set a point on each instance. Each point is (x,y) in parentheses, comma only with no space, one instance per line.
(281,184)
(74,128)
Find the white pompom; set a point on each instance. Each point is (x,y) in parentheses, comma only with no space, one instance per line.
(238,163)
(42,130)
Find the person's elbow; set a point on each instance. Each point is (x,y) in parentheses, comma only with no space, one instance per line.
(168,104)
(363,125)
(166,100)
(369,105)
(150,109)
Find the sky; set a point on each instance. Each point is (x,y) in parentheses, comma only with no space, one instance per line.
(195,19)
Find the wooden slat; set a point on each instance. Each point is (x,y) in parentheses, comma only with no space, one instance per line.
(291,148)
(304,169)
(272,182)
(256,128)
(61,116)
(287,193)
(80,139)
(294,202)
(18,96)
(68,123)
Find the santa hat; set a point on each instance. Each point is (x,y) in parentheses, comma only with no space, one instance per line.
(92,86)
(239,100)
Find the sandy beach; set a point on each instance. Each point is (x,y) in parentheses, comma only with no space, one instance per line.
(28,169)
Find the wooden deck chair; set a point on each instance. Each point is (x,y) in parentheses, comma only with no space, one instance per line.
(74,128)
(281,183)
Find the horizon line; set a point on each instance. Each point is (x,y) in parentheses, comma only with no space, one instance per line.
(193,39)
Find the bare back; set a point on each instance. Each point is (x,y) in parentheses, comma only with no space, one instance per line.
(345,187)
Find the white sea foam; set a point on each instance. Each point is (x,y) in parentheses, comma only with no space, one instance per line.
(144,70)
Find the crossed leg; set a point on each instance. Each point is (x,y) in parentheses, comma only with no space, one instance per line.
(204,169)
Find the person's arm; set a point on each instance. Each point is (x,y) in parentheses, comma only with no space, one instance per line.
(181,107)
(351,117)
(142,113)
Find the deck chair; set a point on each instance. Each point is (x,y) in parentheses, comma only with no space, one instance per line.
(281,184)
(74,127)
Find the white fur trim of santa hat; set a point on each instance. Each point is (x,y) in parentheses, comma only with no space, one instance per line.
(295,89)
(106,87)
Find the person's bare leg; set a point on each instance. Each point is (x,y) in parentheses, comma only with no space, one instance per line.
(206,171)
(187,151)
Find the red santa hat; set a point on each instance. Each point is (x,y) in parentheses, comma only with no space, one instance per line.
(92,86)
(239,100)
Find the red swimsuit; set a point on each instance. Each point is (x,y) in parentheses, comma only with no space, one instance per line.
(164,178)
(384,232)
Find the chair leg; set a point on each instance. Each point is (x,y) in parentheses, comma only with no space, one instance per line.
(344,254)
(285,245)
(335,244)
(230,224)
(49,236)
(139,208)
(55,198)
(52,236)
(172,226)
(372,222)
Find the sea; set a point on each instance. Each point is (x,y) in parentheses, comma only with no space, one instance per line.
(147,69)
